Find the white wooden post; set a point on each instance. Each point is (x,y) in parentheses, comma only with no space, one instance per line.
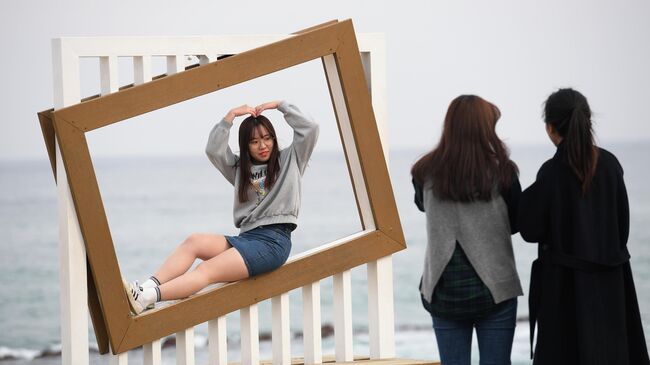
(72,252)
(108,70)
(141,69)
(250,335)
(218,341)
(381,315)
(185,347)
(151,353)
(343,316)
(205,59)
(119,359)
(175,64)
(381,322)
(281,334)
(311,323)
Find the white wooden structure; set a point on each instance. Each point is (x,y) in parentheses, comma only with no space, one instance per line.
(73,281)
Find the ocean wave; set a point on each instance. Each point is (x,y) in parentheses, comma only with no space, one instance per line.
(7,353)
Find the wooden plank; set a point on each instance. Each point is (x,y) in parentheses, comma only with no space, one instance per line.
(94,229)
(358,360)
(225,299)
(364,128)
(348,142)
(230,71)
(72,275)
(47,128)
(96,315)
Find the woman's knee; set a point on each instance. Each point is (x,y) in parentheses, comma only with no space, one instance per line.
(192,242)
(205,274)
(201,246)
(205,246)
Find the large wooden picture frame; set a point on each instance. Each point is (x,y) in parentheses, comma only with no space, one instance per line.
(335,43)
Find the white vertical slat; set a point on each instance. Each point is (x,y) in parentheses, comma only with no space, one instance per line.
(185,347)
(280,333)
(119,359)
(141,69)
(108,69)
(381,318)
(218,341)
(250,335)
(72,252)
(381,322)
(343,316)
(175,64)
(65,72)
(207,58)
(311,323)
(151,353)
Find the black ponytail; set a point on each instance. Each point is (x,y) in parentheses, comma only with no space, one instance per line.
(568,112)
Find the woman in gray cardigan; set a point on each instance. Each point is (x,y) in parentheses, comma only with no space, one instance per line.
(468,188)
(267,199)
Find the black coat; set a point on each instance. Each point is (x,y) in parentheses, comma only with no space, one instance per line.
(582,295)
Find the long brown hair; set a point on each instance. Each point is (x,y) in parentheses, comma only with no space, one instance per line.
(470,160)
(246,131)
(568,112)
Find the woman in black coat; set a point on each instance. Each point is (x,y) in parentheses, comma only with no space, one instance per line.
(582,295)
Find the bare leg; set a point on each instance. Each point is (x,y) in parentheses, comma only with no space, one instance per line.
(225,267)
(203,246)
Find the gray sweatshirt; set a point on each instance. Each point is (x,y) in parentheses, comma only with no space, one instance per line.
(282,203)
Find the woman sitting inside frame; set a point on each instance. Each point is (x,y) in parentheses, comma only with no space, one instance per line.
(267,200)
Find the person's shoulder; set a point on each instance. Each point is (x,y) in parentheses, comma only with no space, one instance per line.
(608,159)
(606,155)
(548,168)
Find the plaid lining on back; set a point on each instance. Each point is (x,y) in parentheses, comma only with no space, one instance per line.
(460,293)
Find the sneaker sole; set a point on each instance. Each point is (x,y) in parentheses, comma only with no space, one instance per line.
(134,306)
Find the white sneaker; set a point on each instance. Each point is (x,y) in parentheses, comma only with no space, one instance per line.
(136,299)
(136,284)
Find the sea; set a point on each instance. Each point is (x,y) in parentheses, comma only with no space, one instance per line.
(153,203)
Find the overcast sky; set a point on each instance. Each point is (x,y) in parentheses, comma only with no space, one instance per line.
(513,53)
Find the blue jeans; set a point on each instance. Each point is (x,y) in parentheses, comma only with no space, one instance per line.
(494,333)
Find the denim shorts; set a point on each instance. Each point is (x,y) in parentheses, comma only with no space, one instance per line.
(264,248)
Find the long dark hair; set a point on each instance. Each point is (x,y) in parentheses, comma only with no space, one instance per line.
(568,112)
(246,131)
(470,159)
